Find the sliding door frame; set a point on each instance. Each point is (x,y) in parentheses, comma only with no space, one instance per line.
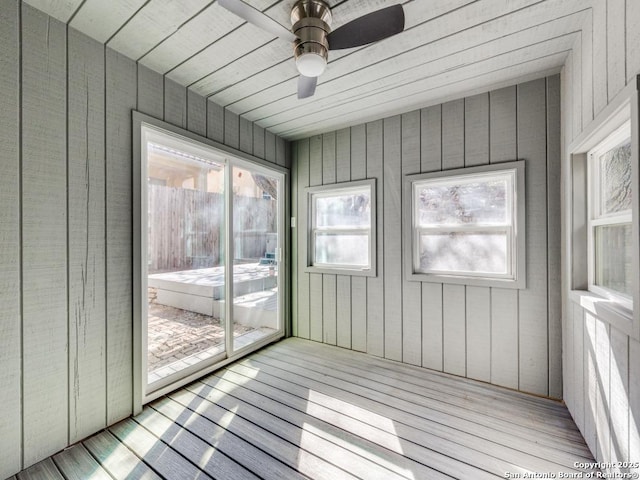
(232,158)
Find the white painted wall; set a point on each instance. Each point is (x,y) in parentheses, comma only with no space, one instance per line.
(601,364)
(65,225)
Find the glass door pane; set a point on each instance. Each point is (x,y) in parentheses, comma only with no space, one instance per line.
(185,260)
(255,256)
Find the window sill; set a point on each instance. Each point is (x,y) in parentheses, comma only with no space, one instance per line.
(342,271)
(606,310)
(471,281)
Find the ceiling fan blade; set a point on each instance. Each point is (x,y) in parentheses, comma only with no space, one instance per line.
(369,28)
(257,18)
(306,86)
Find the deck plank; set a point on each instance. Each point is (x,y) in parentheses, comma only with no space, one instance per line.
(464,406)
(474,393)
(270,433)
(371,436)
(166,461)
(44,470)
(210,455)
(445,434)
(301,409)
(76,463)
(422,404)
(361,458)
(117,459)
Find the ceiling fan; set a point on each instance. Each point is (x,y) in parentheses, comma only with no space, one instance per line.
(312,37)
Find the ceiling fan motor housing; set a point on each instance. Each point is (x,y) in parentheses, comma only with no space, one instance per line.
(311,21)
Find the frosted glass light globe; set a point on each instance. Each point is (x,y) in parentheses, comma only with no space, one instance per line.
(311,64)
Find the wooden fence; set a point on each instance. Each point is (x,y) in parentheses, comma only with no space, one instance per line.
(186,228)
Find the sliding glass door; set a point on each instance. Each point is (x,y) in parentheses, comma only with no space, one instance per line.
(210,230)
(255,256)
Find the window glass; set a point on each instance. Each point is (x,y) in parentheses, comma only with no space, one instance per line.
(464,252)
(614,258)
(342,249)
(479,202)
(615,174)
(341,225)
(349,210)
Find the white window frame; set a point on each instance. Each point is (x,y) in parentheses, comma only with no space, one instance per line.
(622,108)
(595,216)
(515,277)
(313,230)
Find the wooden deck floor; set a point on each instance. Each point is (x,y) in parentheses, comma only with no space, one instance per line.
(301,409)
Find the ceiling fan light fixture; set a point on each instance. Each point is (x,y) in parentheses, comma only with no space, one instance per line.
(311,64)
(312,36)
(311,21)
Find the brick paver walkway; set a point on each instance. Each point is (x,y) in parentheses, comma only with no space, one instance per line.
(174,334)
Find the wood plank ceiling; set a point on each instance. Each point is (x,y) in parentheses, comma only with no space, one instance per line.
(449,48)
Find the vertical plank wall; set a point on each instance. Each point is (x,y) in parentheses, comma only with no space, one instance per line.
(44,235)
(10,238)
(65,225)
(491,334)
(601,365)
